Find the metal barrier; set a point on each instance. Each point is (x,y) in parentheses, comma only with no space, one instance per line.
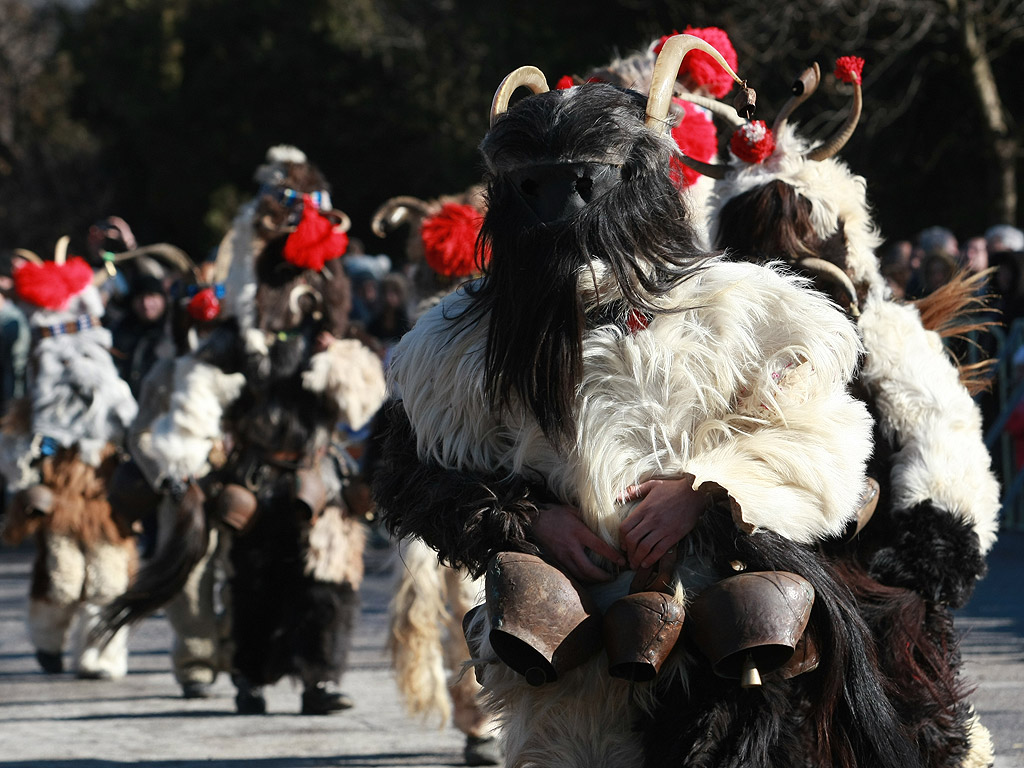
(1009,394)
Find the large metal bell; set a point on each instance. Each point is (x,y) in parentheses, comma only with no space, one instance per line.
(542,622)
(750,624)
(640,630)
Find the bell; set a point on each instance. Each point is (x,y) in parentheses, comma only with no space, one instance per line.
(640,630)
(310,494)
(542,623)
(805,658)
(750,624)
(236,506)
(36,500)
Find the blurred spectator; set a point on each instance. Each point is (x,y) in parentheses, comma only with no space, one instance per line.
(894,259)
(140,337)
(14,338)
(365,272)
(391,320)
(939,242)
(975,255)
(1009,285)
(1003,238)
(936,270)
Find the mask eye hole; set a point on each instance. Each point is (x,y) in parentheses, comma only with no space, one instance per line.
(529,187)
(584,188)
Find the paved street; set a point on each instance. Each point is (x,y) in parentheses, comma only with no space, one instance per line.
(61,722)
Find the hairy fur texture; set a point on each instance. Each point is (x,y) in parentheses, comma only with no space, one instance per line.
(535,356)
(352,376)
(183,402)
(836,195)
(763,375)
(837,715)
(334,547)
(426,640)
(467,517)
(738,378)
(938,507)
(286,621)
(925,410)
(164,574)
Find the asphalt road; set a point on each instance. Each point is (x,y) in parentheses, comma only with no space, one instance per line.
(61,722)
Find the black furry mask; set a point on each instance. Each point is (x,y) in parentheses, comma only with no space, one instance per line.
(619,208)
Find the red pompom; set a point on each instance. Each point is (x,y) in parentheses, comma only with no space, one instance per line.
(753,142)
(449,240)
(849,68)
(204,306)
(704,70)
(565,81)
(315,241)
(51,285)
(697,138)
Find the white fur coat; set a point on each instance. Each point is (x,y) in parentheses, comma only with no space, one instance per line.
(746,388)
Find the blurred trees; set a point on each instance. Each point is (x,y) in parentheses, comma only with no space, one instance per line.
(160,110)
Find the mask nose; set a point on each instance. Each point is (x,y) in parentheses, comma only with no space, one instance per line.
(558,191)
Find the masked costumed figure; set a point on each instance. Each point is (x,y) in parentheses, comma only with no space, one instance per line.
(248,441)
(693,128)
(779,199)
(425,640)
(641,445)
(60,446)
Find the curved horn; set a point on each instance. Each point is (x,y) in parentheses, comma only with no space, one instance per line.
(171,253)
(803,87)
(529,76)
(833,274)
(293,301)
(833,145)
(394,213)
(343,222)
(714,170)
(714,106)
(60,253)
(666,69)
(28,255)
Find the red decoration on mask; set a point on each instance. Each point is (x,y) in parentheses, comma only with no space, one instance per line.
(316,240)
(753,142)
(565,81)
(697,138)
(704,70)
(51,285)
(449,240)
(204,306)
(849,68)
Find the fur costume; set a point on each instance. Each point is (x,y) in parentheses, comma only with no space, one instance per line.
(58,454)
(426,642)
(937,515)
(243,437)
(641,357)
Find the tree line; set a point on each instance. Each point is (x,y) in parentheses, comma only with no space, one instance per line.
(160,110)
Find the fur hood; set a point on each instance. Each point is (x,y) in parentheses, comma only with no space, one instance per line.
(835,193)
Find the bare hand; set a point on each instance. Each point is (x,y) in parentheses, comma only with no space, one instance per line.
(323,341)
(565,539)
(669,510)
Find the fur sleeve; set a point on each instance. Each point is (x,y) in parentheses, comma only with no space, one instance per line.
(351,376)
(930,417)
(178,441)
(793,446)
(466,517)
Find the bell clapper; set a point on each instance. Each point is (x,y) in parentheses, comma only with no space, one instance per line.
(750,677)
